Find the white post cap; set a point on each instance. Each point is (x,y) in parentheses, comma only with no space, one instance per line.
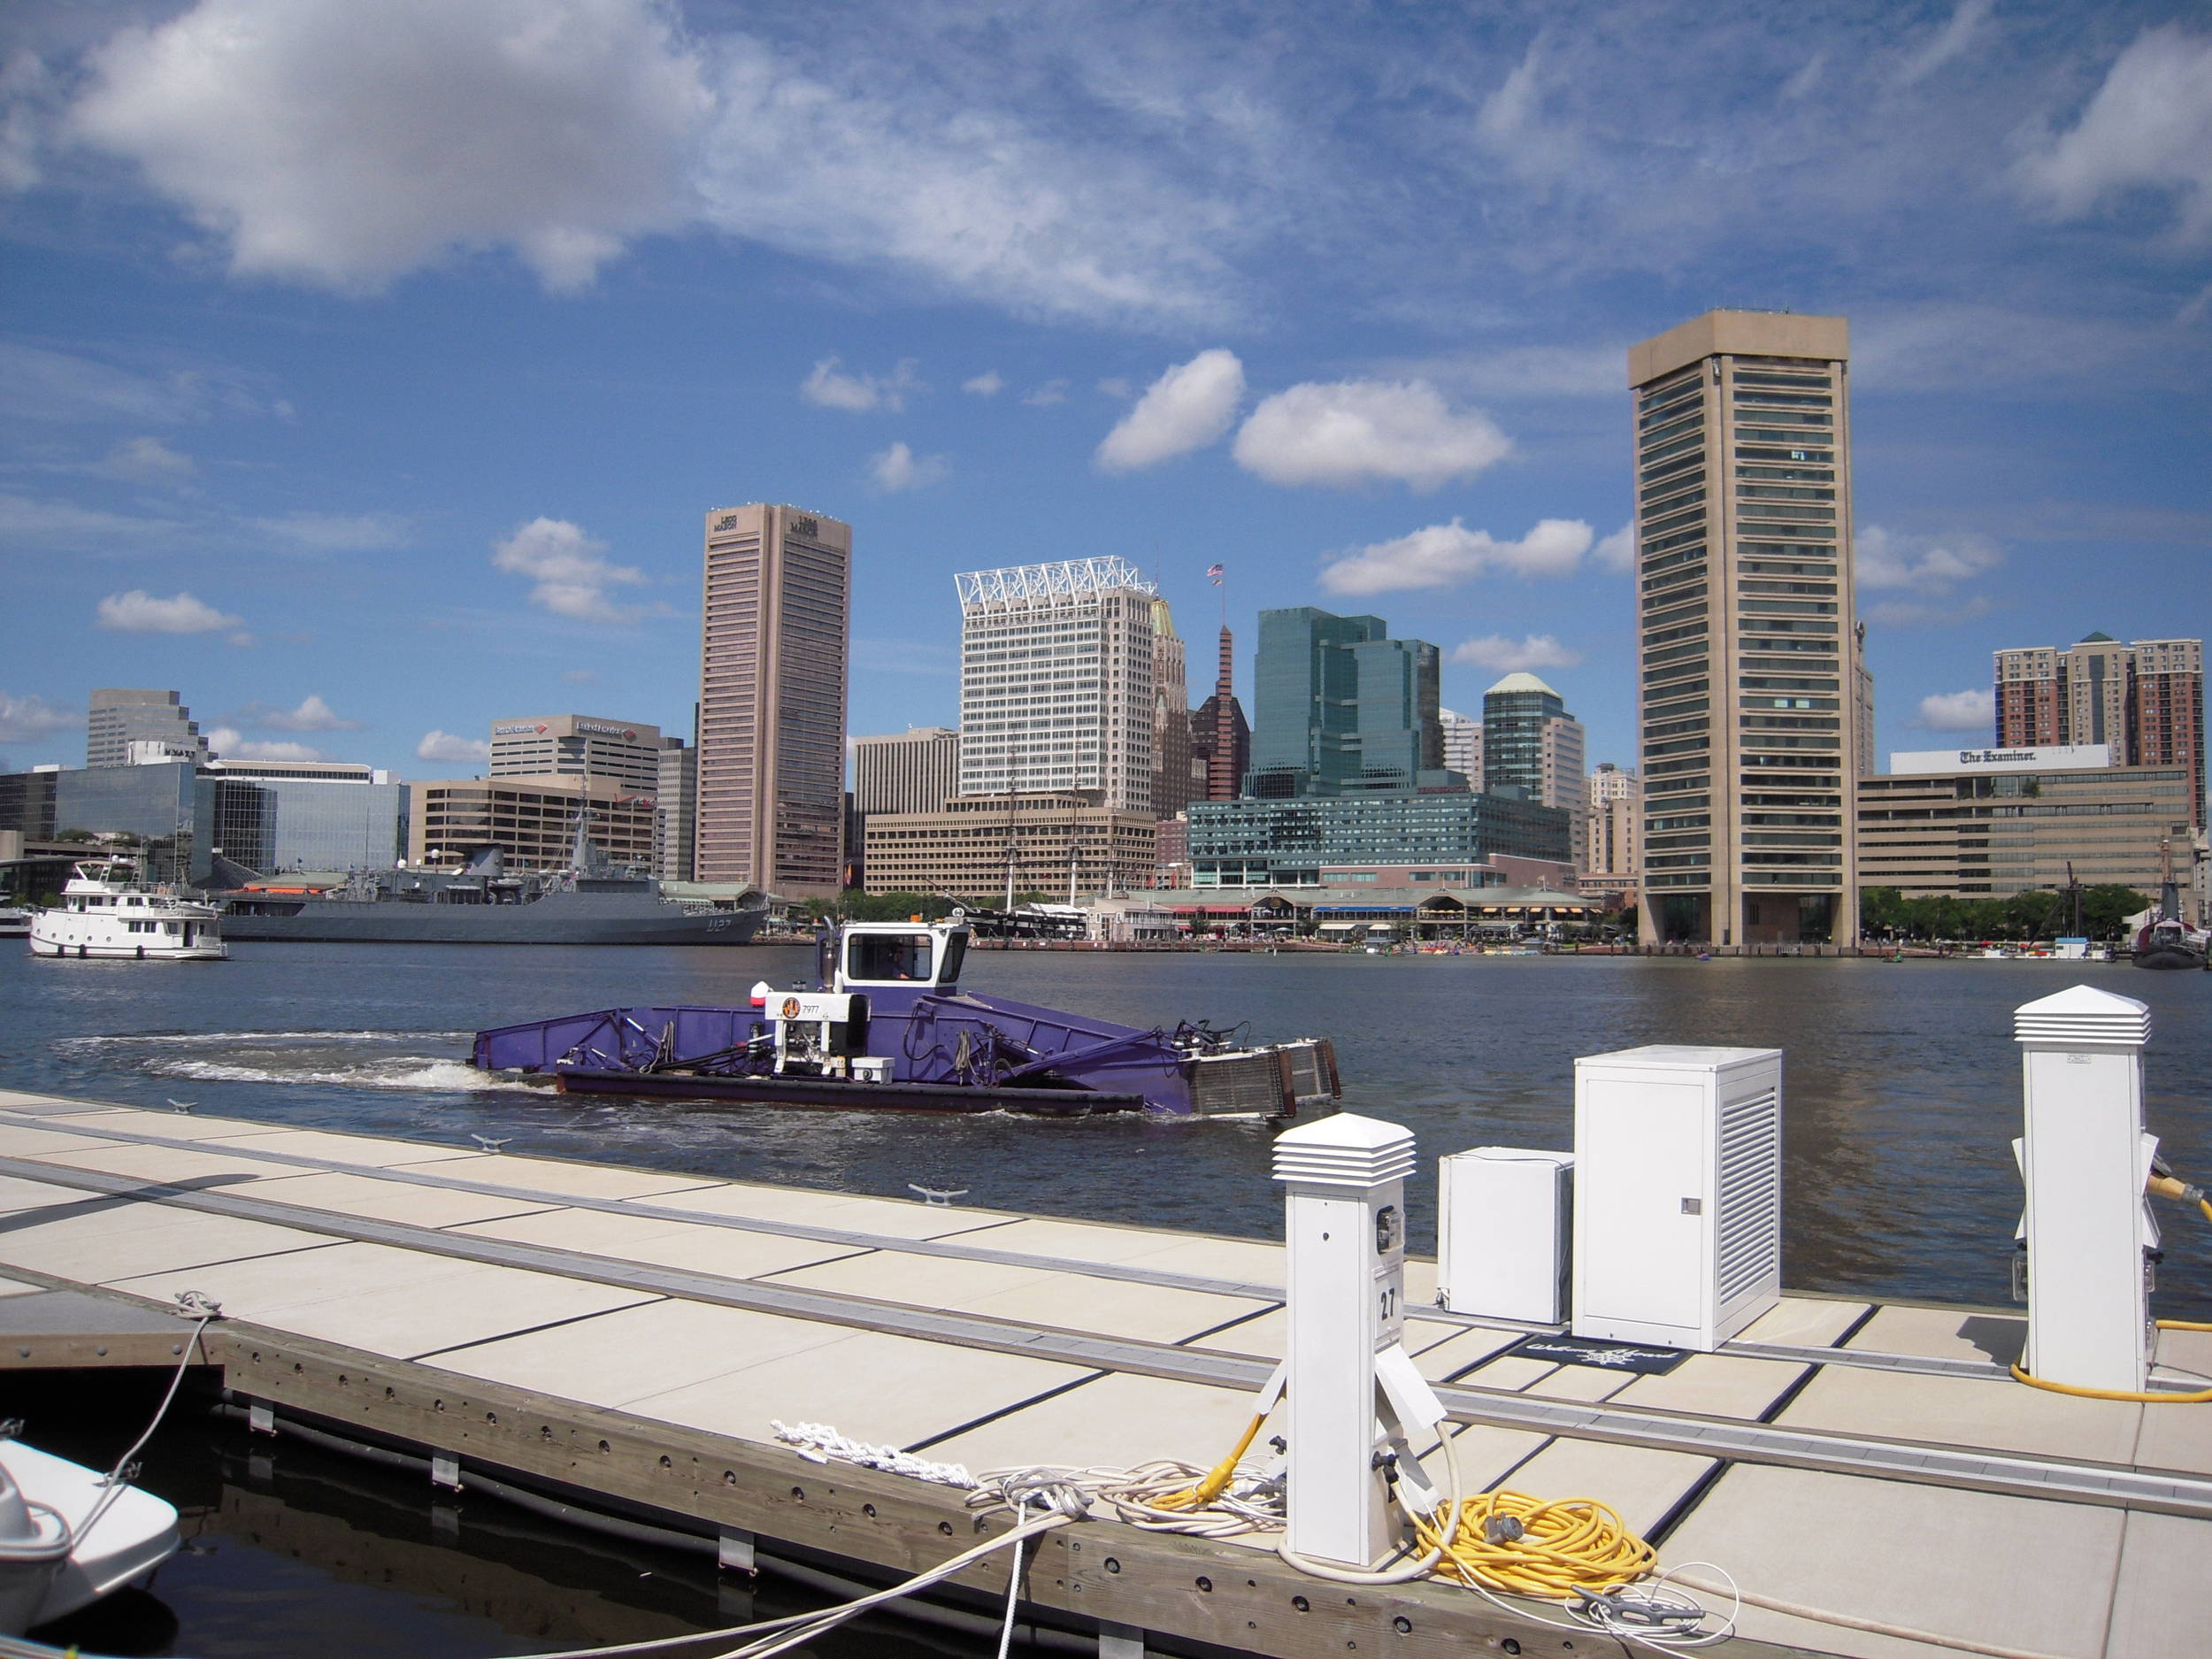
(1344,1149)
(2081,1015)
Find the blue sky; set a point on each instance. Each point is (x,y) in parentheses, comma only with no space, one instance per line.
(366,370)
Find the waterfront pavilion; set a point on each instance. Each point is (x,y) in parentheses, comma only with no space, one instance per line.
(1337,912)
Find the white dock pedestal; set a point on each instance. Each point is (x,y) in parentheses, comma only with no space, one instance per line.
(2084,1159)
(1344,1224)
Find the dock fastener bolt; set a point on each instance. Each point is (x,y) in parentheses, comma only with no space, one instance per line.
(1403,1626)
(945,1527)
(1301,1604)
(1205,1585)
(1112,1565)
(99,1352)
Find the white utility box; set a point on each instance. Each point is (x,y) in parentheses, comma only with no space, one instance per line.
(1501,1219)
(1677,1193)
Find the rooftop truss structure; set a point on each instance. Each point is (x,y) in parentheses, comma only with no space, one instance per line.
(1069,578)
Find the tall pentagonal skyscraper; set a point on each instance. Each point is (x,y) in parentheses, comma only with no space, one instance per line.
(772,648)
(1747,652)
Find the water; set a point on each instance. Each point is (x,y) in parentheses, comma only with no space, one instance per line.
(1902,1081)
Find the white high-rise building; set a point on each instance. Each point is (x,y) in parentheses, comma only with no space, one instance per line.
(1055,681)
(1609,825)
(1462,745)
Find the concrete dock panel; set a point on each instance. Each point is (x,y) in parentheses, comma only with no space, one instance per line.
(1804,1322)
(724,1250)
(1715,1386)
(886,1390)
(2163,1598)
(1998,1414)
(1149,1313)
(95,1244)
(631,1353)
(1944,1334)
(1114,1422)
(2013,1572)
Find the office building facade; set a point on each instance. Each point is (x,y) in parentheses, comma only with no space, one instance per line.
(774,640)
(2144,701)
(1610,819)
(1340,706)
(1462,745)
(1746,637)
(121,715)
(1221,737)
(577,746)
(675,811)
(532,821)
(1288,840)
(1067,846)
(319,814)
(1991,823)
(1173,786)
(914,770)
(1055,681)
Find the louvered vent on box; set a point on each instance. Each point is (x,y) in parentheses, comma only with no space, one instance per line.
(1678,1198)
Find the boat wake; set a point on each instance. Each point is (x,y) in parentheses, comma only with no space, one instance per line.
(382,1060)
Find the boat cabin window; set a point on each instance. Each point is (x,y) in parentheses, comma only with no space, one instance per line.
(886,956)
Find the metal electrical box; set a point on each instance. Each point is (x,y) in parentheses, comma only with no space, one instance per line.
(1677,1193)
(1501,1232)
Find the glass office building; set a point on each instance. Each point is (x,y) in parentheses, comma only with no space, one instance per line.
(1285,842)
(1341,706)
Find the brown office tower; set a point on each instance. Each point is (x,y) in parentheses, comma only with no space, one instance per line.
(1220,735)
(1746,657)
(772,700)
(1172,775)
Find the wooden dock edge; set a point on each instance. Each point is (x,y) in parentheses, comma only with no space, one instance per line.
(1185,1593)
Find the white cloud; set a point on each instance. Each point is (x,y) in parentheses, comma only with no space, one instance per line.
(1506,655)
(1190,406)
(1350,432)
(138,612)
(2150,128)
(147,461)
(1924,563)
(1617,551)
(1970,710)
(34,719)
(231,744)
(570,578)
(1949,41)
(438,745)
(1445,555)
(36,521)
(313,714)
(343,145)
(338,533)
(829,386)
(1051,393)
(900,165)
(990,383)
(898,467)
(40,384)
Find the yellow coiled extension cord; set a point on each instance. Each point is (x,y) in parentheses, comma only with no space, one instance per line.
(1547,1549)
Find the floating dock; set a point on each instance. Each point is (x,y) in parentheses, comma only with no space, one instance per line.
(632,1335)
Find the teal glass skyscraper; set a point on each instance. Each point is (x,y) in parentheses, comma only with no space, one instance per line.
(1340,706)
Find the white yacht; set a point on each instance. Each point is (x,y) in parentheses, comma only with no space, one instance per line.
(105,910)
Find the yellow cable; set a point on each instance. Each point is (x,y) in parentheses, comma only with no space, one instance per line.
(1566,1544)
(1217,1477)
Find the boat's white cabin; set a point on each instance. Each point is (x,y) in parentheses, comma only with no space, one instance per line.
(909,954)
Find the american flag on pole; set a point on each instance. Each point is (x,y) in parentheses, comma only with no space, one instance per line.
(1214,572)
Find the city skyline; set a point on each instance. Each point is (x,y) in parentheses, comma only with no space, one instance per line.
(361,465)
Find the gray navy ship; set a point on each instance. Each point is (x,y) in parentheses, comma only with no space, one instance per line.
(478,904)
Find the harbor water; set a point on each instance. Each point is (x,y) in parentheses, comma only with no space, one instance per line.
(1902,1096)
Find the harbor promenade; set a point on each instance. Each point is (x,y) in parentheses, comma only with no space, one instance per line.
(631,1337)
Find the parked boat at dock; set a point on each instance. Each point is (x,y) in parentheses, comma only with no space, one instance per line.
(889,1028)
(107,910)
(67,1538)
